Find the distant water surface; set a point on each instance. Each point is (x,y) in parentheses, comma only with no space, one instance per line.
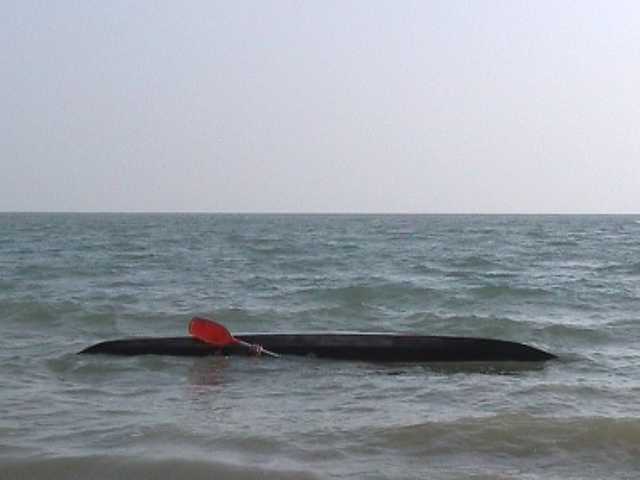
(567,284)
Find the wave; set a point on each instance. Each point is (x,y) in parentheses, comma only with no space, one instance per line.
(562,243)
(364,294)
(425,269)
(494,291)
(507,328)
(268,249)
(460,323)
(632,268)
(239,318)
(475,261)
(32,311)
(519,435)
(573,333)
(103,467)
(499,272)
(134,256)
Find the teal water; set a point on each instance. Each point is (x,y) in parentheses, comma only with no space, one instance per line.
(567,284)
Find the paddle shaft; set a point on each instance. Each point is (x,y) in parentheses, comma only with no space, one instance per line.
(259,348)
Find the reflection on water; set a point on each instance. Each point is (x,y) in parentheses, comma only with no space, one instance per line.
(209,371)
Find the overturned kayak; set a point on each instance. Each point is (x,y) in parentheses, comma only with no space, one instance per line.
(377,347)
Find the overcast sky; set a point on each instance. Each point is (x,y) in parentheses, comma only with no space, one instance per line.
(320,106)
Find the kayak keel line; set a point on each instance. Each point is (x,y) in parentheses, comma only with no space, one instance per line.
(375,347)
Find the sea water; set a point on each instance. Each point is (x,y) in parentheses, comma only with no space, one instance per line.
(566,284)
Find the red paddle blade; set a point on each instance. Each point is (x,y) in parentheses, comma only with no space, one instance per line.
(210,332)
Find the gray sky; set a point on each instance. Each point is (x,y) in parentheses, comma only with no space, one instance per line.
(320,106)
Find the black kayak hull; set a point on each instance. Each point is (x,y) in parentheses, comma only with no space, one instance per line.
(377,347)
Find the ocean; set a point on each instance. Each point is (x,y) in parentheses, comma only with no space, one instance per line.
(567,284)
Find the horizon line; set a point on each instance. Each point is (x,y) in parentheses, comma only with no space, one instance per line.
(284,212)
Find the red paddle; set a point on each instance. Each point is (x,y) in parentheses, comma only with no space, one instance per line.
(218,335)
